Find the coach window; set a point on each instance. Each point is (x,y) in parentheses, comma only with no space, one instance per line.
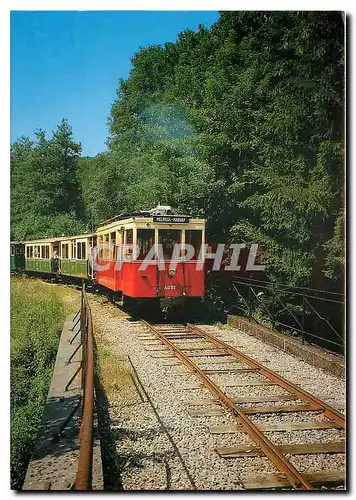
(84,250)
(145,241)
(74,252)
(12,250)
(194,237)
(81,250)
(168,238)
(65,251)
(45,252)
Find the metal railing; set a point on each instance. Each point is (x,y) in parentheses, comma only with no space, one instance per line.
(304,312)
(83,479)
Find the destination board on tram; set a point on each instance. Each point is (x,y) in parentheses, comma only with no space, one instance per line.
(170,219)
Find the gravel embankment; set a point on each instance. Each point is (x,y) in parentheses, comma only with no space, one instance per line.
(161,446)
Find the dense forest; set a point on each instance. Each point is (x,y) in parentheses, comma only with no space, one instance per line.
(242,123)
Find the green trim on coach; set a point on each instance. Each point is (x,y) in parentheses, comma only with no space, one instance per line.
(39,265)
(76,268)
(17,256)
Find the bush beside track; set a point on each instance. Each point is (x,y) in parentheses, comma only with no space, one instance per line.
(38,311)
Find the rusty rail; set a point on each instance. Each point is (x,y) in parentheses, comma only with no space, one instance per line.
(83,479)
(303,395)
(296,479)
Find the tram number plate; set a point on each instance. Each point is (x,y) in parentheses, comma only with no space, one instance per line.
(169,287)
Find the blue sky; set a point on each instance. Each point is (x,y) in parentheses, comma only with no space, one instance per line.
(68,64)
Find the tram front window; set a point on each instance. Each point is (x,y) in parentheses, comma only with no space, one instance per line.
(194,237)
(168,238)
(145,241)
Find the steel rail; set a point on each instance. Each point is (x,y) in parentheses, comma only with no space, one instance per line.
(83,479)
(296,479)
(303,395)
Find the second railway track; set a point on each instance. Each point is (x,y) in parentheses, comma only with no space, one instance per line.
(193,347)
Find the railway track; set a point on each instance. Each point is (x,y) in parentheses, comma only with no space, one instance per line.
(190,345)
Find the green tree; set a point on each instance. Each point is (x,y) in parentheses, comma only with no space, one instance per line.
(243,122)
(44,184)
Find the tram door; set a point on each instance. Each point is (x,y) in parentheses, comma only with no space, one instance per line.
(169,280)
(93,244)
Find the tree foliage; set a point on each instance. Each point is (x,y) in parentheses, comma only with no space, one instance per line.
(244,122)
(45,192)
(241,123)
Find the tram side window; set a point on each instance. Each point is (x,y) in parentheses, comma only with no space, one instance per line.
(168,238)
(194,237)
(12,250)
(129,236)
(37,251)
(113,245)
(145,241)
(100,248)
(105,245)
(129,241)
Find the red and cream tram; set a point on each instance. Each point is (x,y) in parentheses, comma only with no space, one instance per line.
(145,255)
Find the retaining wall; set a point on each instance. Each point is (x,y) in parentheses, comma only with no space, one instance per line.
(316,356)
(54,460)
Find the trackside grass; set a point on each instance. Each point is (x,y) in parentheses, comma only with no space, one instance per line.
(38,311)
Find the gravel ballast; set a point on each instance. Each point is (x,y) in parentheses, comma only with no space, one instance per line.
(159,445)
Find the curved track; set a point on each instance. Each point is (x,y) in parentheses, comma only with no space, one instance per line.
(174,337)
